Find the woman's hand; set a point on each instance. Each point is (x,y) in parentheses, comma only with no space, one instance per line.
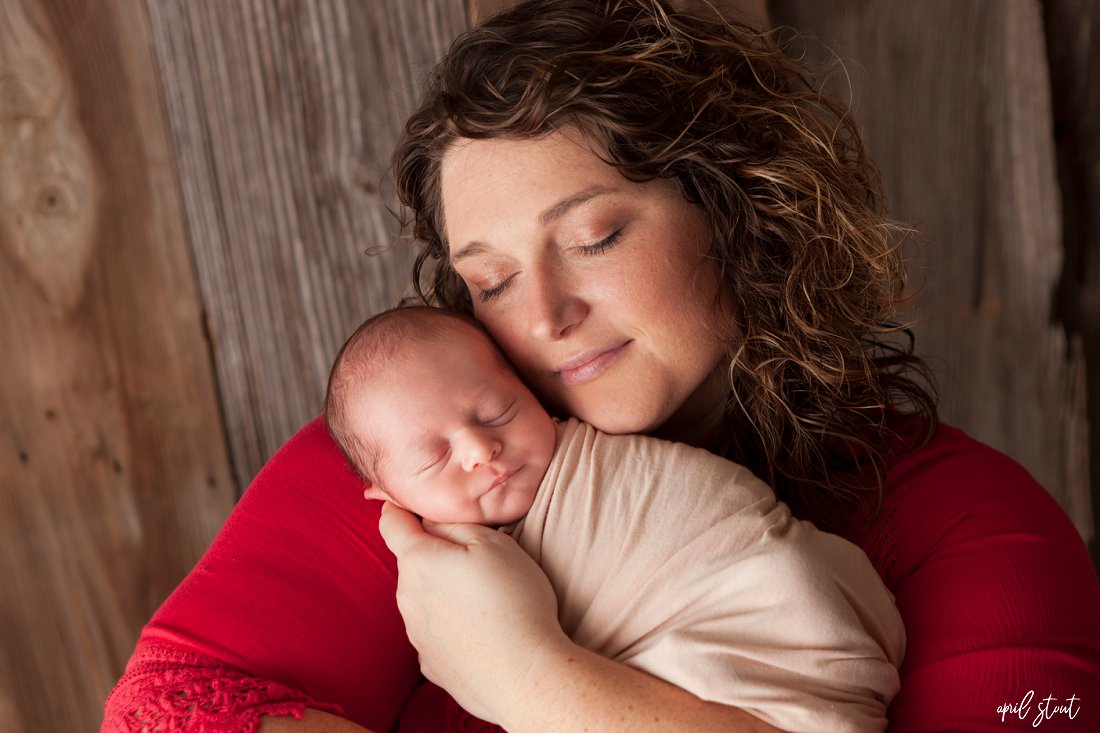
(476,607)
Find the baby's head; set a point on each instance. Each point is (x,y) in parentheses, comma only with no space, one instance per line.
(431,414)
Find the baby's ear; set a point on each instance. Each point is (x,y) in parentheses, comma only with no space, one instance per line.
(371,491)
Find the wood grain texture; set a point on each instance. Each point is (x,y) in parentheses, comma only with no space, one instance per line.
(285,115)
(1073,47)
(113,470)
(954,99)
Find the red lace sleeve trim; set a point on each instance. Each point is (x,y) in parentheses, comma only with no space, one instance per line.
(167,689)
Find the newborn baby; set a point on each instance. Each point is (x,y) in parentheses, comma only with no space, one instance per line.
(662,556)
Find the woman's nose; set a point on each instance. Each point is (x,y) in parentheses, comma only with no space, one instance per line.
(478,447)
(553,306)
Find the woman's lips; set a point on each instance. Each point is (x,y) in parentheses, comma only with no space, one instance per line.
(589,365)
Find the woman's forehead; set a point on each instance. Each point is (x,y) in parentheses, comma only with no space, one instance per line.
(521,168)
(488,186)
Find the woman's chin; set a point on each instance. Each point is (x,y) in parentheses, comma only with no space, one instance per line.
(619,417)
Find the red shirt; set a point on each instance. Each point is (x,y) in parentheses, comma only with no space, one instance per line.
(293,606)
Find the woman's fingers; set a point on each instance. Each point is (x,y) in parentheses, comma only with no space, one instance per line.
(399,528)
(402,531)
(459,534)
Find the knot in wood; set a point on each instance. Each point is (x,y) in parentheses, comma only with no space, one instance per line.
(54,198)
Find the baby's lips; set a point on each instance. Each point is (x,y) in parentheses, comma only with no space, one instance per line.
(501,479)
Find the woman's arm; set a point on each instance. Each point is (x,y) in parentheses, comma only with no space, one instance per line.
(573,689)
(484,619)
(292,607)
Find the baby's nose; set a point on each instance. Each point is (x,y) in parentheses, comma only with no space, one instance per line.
(479,448)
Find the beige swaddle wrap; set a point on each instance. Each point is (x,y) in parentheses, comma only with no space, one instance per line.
(680,563)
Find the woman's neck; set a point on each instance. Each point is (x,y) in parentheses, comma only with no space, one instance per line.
(699,419)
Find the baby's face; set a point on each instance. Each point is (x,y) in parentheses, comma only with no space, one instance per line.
(460,438)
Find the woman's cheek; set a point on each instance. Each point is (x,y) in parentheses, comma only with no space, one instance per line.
(503,327)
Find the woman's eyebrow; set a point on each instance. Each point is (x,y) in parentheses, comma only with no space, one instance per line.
(470,250)
(556,211)
(562,207)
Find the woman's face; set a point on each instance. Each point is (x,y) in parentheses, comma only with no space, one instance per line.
(598,289)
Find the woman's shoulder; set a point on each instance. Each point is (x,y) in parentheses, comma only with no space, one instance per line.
(310,453)
(954,476)
(957,492)
(961,473)
(299,587)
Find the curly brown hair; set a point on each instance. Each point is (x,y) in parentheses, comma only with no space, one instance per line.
(795,218)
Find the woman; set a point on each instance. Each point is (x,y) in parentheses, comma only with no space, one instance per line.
(668,230)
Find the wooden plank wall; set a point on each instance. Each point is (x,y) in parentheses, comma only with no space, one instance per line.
(285,115)
(188,189)
(114,473)
(1073,49)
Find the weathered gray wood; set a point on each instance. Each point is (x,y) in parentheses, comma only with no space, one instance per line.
(285,115)
(113,469)
(954,98)
(1073,46)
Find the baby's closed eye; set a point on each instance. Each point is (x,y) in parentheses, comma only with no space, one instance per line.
(436,460)
(500,416)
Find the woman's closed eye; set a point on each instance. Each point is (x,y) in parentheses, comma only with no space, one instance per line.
(603,245)
(487,294)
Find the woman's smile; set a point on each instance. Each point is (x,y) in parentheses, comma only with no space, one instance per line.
(590,364)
